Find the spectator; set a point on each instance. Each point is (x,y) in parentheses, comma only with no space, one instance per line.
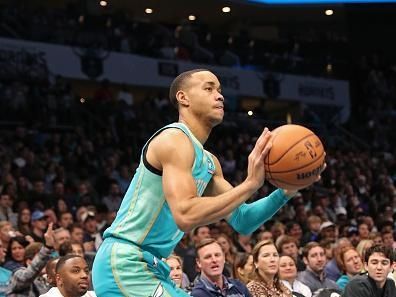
(264,235)
(23,222)
(114,197)
(314,275)
(39,225)
(6,232)
(293,229)
(16,253)
(353,235)
(332,270)
(6,213)
(388,239)
(376,237)
(51,216)
(189,266)
(243,267)
(176,273)
(92,238)
(61,235)
(378,263)
(327,231)
(351,264)
(314,223)
(27,281)
(50,271)
(212,282)
(76,233)
(5,274)
(287,245)
(229,251)
(72,278)
(65,220)
(363,246)
(363,230)
(265,279)
(288,275)
(243,243)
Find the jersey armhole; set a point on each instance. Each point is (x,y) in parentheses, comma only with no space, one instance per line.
(145,161)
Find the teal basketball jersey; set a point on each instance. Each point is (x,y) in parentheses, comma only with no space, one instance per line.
(144,218)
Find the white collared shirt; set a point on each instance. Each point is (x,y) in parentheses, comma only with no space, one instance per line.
(54,292)
(298,287)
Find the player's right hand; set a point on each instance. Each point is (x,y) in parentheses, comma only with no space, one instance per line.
(256,171)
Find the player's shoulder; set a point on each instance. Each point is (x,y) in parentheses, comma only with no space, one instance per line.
(171,140)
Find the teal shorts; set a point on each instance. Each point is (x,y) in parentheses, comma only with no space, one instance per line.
(122,269)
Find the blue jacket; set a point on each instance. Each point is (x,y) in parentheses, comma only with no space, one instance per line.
(204,288)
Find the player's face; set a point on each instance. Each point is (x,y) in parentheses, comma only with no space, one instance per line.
(204,97)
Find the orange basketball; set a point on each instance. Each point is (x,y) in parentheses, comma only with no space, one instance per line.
(296,158)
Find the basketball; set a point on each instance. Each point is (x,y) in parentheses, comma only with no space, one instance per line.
(296,158)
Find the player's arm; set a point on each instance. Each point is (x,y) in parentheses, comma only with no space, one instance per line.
(174,154)
(246,218)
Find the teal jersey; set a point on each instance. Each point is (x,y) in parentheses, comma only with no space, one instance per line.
(144,218)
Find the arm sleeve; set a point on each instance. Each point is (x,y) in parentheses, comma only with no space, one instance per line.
(248,217)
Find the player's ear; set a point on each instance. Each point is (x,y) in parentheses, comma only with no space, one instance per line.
(182,98)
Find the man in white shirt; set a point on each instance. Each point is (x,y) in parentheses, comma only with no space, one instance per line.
(72,278)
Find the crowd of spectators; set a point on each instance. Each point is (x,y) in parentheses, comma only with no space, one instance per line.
(75,179)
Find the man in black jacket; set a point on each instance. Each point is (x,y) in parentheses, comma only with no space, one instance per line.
(378,263)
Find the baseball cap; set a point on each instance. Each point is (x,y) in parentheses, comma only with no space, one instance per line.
(38,215)
(86,215)
(325,225)
(352,230)
(340,211)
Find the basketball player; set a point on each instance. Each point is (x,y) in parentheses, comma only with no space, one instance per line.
(164,198)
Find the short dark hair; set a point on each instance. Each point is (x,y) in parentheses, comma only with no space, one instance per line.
(385,250)
(285,239)
(179,82)
(309,246)
(65,248)
(63,260)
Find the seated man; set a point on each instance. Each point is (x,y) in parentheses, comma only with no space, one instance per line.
(72,278)
(314,275)
(212,282)
(378,263)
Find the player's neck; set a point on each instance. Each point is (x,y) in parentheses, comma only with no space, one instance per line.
(199,129)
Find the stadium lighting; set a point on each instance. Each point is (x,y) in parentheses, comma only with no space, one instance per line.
(148,10)
(103,3)
(192,17)
(329,12)
(226,9)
